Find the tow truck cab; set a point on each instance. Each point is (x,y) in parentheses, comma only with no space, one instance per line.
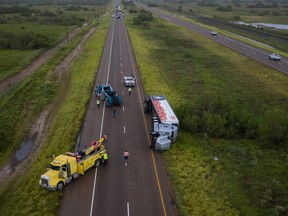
(61,171)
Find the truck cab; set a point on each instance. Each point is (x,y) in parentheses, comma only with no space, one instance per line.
(61,171)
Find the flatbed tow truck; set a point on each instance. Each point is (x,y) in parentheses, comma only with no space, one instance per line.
(66,167)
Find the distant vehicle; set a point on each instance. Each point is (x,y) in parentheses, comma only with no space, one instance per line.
(117,17)
(123,15)
(129,81)
(275,57)
(118,9)
(113,15)
(214,33)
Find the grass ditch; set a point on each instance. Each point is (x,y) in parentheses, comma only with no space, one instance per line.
(228,106)
(21,105)
(23,195)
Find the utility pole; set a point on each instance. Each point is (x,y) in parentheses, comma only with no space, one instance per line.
(67,35)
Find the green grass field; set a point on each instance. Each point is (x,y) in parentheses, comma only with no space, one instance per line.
(53,32)
(21,105)
(222,164)
(11,61)
(14,60)
(273,14)
(23,195)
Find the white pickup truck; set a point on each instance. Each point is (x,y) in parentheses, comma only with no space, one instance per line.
(129,81)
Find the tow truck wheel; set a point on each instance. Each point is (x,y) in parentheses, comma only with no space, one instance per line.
(60,185)
(75,175)
(102,160)
(97,163)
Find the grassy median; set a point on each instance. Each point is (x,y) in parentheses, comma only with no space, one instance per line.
(229,158)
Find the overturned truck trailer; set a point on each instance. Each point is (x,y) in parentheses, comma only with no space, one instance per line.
(165,124)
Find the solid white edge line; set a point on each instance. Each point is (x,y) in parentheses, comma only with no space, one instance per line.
(109,64)
(94,186)
(128,209)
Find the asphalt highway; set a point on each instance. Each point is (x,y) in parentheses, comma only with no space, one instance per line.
(241,47)
(141,187)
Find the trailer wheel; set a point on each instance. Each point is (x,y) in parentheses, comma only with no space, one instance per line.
(97,163)
(60,185)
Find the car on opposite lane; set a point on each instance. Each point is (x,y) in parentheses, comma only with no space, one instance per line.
(214,33)
(275,57)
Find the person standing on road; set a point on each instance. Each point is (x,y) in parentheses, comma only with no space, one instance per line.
(126,155)
(129,90)
(105,157)
(114,112)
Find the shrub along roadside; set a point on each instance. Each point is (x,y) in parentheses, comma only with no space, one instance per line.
(24,196)
(24,41)
(217,93)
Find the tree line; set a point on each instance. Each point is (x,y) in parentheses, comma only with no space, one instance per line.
(23,40)
(56,2)
(217,118)
(143,18)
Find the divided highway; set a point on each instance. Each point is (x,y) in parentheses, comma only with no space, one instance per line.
(141,188)
(241,47)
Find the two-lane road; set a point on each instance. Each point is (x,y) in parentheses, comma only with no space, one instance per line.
(241,47)
(141,188)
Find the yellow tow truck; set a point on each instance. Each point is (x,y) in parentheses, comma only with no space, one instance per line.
(66,167)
